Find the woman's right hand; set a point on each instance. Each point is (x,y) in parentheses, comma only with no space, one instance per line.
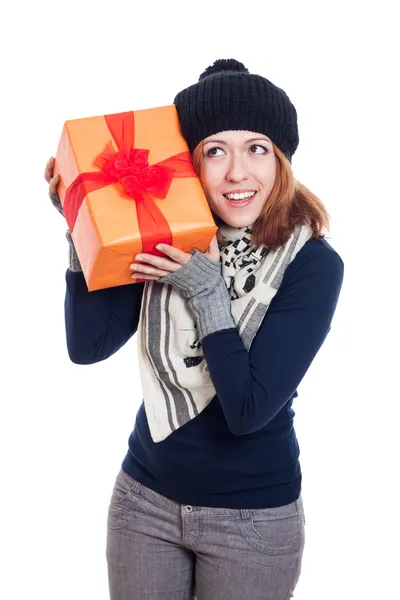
(53,181)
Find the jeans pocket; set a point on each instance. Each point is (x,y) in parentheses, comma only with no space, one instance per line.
(123,507)
(269,536)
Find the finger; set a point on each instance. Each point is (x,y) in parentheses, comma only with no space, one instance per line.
(141,276)
(160,262)
(213,251)
(177,255)
(148,270)
(214,244)
(54,184)
(48,172)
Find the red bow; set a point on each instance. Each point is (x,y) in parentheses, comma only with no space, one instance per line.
(130,167)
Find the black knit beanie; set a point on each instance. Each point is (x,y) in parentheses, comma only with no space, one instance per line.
(228,97)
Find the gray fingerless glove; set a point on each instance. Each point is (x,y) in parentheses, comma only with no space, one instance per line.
(200,281)
(74,264)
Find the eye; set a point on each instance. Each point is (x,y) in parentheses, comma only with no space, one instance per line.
(213,151)
(257,149)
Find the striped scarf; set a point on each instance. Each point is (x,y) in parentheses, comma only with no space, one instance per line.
(176,383)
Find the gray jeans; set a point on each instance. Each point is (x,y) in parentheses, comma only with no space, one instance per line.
(159,549)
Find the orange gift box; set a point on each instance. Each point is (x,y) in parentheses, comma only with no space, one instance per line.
(127,183)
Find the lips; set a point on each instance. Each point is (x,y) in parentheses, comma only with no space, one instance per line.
(241,202)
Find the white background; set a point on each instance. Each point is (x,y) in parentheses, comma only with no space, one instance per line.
(64,428)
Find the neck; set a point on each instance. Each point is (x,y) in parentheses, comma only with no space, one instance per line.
(231,234)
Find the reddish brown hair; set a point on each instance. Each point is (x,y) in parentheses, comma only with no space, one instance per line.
(289,203)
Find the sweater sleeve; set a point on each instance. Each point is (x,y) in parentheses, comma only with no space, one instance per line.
(98,323)
(253,386)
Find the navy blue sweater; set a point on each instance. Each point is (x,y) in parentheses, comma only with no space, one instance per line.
(242,450)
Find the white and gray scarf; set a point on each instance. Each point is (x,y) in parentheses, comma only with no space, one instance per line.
(176,383)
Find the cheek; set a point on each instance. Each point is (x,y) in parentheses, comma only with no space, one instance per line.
(211,183)
(267,178)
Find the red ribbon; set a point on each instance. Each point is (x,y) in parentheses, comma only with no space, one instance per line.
(129,166)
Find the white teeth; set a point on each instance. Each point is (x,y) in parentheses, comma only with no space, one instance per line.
(242,196)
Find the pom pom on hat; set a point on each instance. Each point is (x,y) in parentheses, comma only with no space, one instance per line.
(222,64)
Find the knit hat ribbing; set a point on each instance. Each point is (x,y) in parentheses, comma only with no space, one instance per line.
(228,97)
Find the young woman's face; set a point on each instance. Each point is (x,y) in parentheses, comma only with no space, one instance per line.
(237,174)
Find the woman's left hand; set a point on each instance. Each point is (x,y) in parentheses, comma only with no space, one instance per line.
(154,267)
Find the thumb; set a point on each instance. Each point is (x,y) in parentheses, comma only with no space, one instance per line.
(213,250)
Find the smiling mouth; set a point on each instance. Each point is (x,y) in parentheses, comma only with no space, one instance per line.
(237,197)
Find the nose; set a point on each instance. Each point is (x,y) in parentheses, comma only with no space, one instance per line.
(237,169)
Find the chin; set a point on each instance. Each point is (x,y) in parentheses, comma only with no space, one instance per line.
(239,221)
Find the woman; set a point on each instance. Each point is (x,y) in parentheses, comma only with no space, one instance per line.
(209,494)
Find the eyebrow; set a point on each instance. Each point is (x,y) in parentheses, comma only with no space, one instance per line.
(257,139)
